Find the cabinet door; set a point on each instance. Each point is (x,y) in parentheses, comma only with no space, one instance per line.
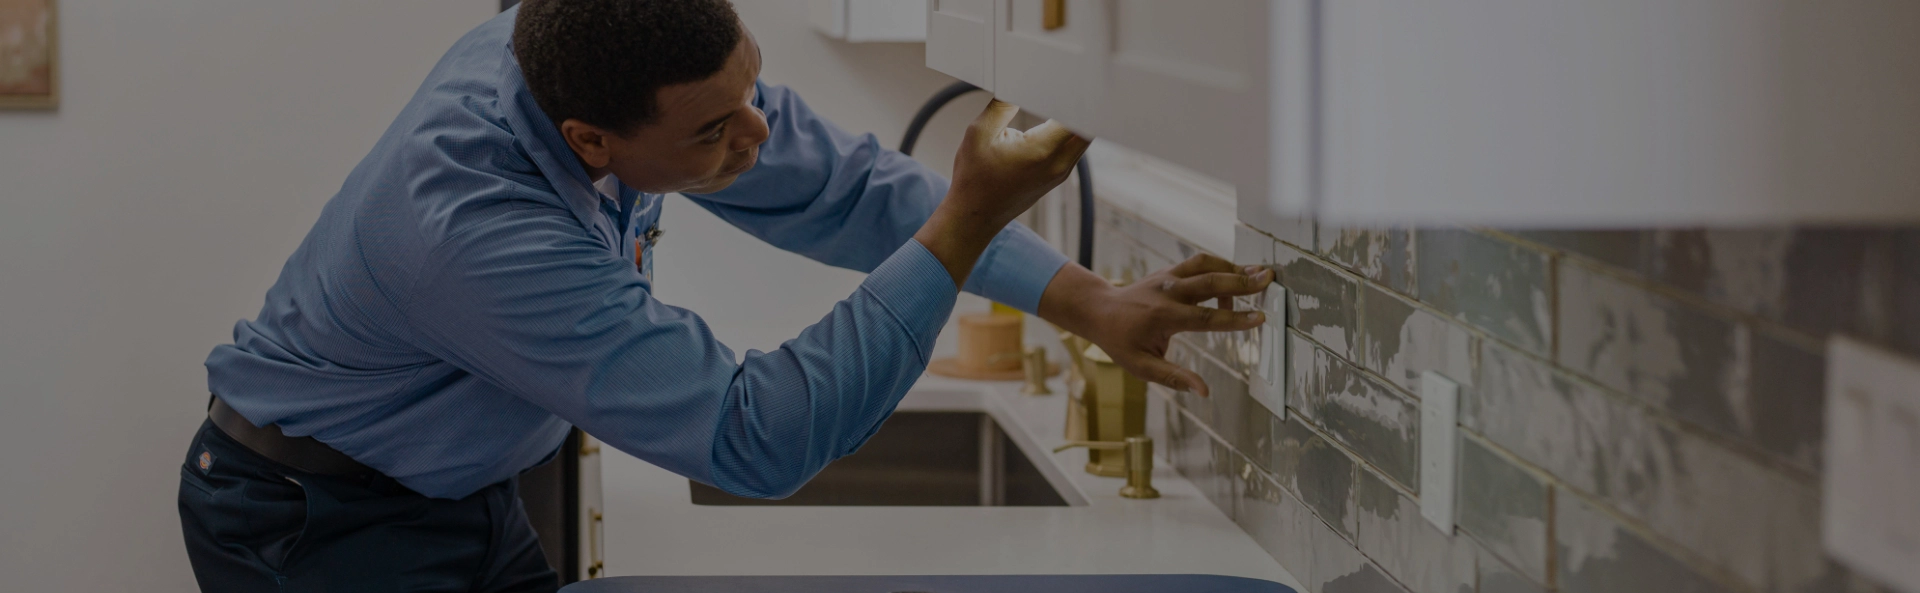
(1194,82)
(1622,112)
(886,20)
(1051,71)
(960,39)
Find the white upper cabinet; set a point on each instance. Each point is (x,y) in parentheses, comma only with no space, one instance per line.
(870,20)
(1046,56)
(960,39)
(1498,112)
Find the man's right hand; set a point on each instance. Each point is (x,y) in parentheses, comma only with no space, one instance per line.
(998,174)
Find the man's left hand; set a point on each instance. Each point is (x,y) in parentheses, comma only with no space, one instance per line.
(1134,323)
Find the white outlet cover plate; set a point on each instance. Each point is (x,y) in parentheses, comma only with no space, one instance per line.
(1871,506)
(1439,410)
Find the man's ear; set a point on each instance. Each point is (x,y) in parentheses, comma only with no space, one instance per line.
(589,142)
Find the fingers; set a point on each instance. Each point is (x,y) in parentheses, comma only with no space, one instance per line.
(1158,370)
(1051,132)
(1077,145)
(1065,146)
(1072,149)
(1217,285)
(995,118)
(1201,264)
(1189,318)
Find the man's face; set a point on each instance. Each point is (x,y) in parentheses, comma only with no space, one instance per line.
(707,135)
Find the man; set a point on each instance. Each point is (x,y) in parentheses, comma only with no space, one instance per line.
(479,286)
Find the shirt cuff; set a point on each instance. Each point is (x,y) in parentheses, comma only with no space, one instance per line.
(915,287)
(1016,269)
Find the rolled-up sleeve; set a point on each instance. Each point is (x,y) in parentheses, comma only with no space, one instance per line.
(846,201)
(534,304)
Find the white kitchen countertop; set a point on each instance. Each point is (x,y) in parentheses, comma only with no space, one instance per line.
(653,528)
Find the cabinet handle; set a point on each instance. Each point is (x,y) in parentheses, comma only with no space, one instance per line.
(1055,15)
(598,562)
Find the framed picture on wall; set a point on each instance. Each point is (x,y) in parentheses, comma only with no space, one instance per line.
(29,55)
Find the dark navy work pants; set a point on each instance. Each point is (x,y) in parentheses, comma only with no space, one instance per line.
(255,525)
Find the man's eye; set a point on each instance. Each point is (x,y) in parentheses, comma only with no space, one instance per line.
(716,136)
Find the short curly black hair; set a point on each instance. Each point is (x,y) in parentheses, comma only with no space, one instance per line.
(603,62)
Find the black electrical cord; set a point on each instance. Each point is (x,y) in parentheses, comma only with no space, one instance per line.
(1086,212)
(932,106)
(955,90)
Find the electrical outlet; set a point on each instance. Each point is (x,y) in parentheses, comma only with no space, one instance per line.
(1439,410)
(1871,518)
(1270,372)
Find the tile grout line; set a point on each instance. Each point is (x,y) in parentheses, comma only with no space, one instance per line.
(1751,450)
(1679,553)
(1557,260)
(1639,527)
(1641,281)
(1312,426)
(1279,487)
(1767,460)
(1553,532)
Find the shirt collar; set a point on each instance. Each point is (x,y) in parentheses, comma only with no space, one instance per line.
(543,143)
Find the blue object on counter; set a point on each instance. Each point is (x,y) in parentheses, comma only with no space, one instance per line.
(1159,583)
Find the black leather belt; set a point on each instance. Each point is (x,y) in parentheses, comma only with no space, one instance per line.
(302,453)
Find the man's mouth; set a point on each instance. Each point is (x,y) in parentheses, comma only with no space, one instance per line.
(744,166)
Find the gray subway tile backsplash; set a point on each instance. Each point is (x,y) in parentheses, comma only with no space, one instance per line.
(1496,576)
(1401,341)
(1598,555)
(1325,300)
(1637,342)
(1304,376)
(1121,259)
(1366,577)
(1397,537)
(1381,425)
(1714,372)
(1815,280)
(1786,401)
(1732,510)
(1504,507)
(1280,524)
(1383,255)
(1501,287)
(1148,234)
(1641,410)
(1624,249)
(1238,418)
(1316,470)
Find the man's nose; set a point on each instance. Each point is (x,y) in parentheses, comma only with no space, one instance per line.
(756,131)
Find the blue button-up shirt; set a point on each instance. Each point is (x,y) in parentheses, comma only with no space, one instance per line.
(468,296)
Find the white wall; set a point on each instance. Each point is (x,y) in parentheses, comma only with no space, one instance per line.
(197,142)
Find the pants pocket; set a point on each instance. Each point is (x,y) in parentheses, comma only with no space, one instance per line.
(191,482)
(279,519)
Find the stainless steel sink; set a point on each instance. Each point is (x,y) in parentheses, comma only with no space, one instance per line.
(920,459)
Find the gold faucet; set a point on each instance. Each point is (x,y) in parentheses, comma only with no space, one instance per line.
(1115,403)
(1035,364)
(1078,388)
(1139,463)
